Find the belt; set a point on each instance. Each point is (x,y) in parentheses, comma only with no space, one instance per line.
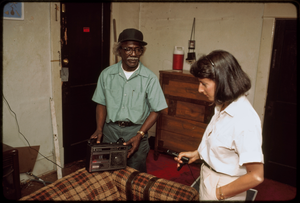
(208,166)
(124,123)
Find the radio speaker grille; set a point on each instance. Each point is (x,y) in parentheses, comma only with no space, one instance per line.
(118,159)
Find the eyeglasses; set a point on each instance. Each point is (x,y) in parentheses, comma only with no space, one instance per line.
(129,50)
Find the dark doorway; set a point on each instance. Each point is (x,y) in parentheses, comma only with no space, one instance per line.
(85,38)
(280,121)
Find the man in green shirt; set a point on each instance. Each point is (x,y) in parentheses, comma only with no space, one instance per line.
(129,98)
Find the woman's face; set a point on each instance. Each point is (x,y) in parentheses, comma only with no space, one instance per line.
(207,87)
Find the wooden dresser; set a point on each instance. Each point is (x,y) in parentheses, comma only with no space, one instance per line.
(180,127)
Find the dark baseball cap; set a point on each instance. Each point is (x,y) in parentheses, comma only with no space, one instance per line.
(132,34)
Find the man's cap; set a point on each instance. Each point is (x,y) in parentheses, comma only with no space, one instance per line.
(132,34)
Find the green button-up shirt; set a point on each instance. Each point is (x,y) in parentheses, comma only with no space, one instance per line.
(132,99)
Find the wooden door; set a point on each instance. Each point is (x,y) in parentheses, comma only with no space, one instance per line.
(85,38)
(280,121)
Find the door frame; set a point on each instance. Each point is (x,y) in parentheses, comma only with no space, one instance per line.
(55,73)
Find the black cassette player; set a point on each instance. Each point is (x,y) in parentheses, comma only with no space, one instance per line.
(106,156)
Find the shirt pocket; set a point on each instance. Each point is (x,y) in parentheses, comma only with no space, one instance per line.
(138,100)
(224,136)
(113,98)
(219,145)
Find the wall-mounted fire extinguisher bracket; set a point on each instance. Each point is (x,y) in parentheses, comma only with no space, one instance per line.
(191,56)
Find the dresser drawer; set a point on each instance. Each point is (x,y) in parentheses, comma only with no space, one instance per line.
(182,126)
(177,142)
(195,110)
(185,110)
(183,89)
(178,134)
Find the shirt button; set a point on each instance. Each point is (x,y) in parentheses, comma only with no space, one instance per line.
(125,95)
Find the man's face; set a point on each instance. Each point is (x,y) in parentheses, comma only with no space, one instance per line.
(130,52)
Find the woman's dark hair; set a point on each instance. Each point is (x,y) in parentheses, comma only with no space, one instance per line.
(223,68)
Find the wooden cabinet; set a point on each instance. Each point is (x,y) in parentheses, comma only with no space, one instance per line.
(180,127)
(10,173)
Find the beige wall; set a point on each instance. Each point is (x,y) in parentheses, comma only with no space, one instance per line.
(30,79)
(30,54)
(243,29)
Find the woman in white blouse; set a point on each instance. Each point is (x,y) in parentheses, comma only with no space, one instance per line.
(231,144)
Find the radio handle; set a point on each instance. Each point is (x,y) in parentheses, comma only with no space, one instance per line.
(92,141)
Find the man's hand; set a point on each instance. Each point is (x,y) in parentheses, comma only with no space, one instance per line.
(97,135)
(135,142)
(100,119)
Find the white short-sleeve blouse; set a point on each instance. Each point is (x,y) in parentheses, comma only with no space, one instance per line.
(232,138)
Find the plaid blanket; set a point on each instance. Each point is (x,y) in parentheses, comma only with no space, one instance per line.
(161,190)
(118,185)
(80,185)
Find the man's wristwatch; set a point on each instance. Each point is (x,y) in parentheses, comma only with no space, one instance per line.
(142,133)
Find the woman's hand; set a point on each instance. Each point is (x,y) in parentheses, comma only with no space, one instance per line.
(192,155)
(253,177)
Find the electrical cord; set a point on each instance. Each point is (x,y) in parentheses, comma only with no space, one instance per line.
(15,115)
(193,176)
(185,162)
(41,153)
